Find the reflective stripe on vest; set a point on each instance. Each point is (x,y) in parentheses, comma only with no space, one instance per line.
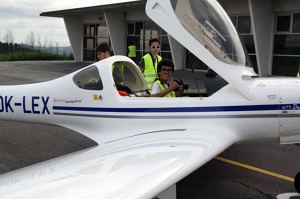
(162,88)
(150,70)
(132,51)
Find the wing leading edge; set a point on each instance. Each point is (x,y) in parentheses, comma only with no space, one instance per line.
(141,166)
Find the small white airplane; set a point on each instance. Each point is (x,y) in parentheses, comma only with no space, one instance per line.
(146,145)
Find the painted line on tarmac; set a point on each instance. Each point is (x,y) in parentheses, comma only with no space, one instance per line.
(255,169)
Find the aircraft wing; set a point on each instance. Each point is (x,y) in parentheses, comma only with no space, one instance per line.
(140,166)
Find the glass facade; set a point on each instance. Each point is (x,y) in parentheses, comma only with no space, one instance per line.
(243,25)
(286,57)
(140,32)
(93,35)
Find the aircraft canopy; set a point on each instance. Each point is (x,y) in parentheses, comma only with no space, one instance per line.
(208,23)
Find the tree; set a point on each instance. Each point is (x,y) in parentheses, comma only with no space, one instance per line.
(45,43)
(50,48)
(9,40)
(31,40)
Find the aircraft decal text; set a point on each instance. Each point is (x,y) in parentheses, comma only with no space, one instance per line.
(34,175)
(290,107)
(67,100)
(29,105)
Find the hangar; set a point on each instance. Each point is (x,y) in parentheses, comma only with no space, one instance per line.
(270,30)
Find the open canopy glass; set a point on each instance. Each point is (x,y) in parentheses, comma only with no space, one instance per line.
(208,23)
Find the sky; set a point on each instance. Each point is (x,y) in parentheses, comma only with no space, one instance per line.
(22,17)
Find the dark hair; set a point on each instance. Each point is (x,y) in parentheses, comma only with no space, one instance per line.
(166,63)
(103,47)
(153,40)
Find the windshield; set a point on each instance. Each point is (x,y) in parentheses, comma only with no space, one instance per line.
(210,25)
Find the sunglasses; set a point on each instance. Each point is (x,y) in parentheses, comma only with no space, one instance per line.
(153,47)
(166,70)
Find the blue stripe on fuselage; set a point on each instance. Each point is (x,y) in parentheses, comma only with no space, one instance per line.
(173,109)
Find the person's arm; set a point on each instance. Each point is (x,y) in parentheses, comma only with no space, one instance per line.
(180,91)
(142,65)
(118,74)
(154,92)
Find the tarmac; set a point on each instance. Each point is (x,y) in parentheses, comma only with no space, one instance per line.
(23,144)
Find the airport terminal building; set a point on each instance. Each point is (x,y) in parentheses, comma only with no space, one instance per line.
(270,30)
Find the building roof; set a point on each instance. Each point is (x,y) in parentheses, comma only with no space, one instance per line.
(96,9)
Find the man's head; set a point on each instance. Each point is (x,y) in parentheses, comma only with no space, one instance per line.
(154,45)
(103,51)
(165,69)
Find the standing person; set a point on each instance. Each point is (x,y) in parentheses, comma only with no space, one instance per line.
(148,63)
(162,87)
(103,51)
(132,51)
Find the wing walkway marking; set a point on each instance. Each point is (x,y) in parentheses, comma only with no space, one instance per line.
(254,169)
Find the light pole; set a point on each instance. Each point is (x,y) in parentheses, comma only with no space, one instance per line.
(39,46)
(56,48)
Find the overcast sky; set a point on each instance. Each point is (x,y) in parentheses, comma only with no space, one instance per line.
(23,16)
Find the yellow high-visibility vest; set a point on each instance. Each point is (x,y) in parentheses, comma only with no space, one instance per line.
(132,51)
(150,71)
(162,88)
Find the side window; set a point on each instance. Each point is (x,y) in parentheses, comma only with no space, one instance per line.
(133,78)
(88,79)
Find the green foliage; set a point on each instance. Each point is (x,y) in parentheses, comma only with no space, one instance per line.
(32,55)
(17,52)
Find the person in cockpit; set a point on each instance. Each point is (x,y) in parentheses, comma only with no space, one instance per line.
(103,51)
(162,87)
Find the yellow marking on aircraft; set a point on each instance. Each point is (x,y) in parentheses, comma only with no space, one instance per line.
(255,169)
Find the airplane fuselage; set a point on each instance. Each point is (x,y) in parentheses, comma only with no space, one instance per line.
(94,112)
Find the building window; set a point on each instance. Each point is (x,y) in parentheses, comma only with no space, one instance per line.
(296,23)
(283,23)
(94,34)
(286,57)
(243,26)
(140,32)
